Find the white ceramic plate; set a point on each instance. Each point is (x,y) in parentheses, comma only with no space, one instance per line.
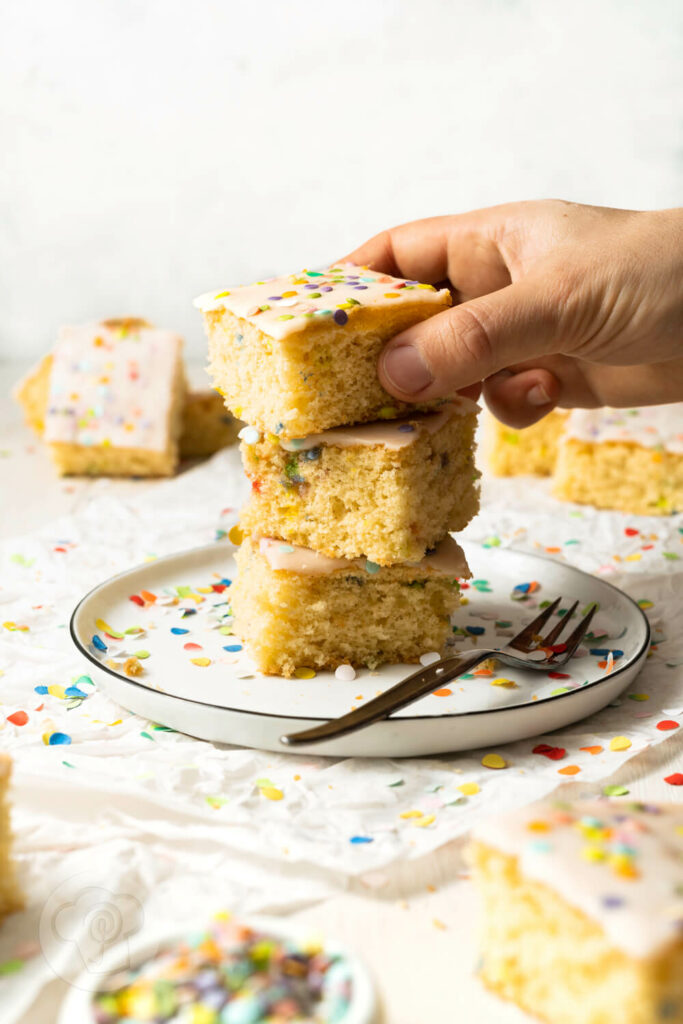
(77,1007)
(212,692)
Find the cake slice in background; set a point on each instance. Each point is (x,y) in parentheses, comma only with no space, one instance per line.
(108,399)
(532,450)
(296,608)
(11,898)
(388,490)
(583,910)
(627,459)
(296,355)
(630,460)
(206,426)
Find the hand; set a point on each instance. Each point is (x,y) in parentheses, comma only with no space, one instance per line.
(558,304)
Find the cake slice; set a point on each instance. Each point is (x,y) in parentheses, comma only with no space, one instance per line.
(583,910)
(296,608)
(531,450)
(207,426)
(11,898)
(295,355)
(389,490)
(109,398)
(627,459)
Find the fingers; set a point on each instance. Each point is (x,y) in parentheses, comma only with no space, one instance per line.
(520,399)
(467,249)
(468,343)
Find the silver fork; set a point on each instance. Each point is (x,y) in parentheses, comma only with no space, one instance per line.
(426,680)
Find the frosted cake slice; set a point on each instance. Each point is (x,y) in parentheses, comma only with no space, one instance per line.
(109,398)
(532,450)
(11,898)
(583,910)
(207,426)
(295,355)
(389,490)
(627,459)
(295,608)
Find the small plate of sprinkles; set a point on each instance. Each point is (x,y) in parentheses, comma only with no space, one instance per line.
(255,971)
(160,642)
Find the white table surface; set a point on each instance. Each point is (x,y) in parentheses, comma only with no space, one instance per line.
(417,933)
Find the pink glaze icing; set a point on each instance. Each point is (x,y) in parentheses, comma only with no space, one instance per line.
(392,434)
(112,384)
(447,559)
(287,305)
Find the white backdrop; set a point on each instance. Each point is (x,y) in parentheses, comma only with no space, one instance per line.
(153,149)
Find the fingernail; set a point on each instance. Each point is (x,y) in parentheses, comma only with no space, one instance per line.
(406,370)
(537,395)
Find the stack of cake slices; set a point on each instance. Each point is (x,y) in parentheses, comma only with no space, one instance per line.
(346,558)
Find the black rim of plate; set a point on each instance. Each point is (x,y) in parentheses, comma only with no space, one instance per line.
(509,709)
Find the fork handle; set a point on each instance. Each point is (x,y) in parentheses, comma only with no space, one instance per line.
(410,689)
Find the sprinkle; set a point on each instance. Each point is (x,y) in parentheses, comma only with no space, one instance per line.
(494,761)
(250,435)
(304,672)
(11,966)
(570,769)
(235,535)
(620,743)
(201,662)
(615,790)
(592,750)
(59,739)
(98,643)
(345,673)
(667,724)
(371,567)
(340,317)
(410,814)
(508,684)
(233,648)
(105,628)
(553,753)
(439,924)
(358,840)
(469,788)
(271,792)
(178,631)
(425,821)
(443,691)
(430,658)
(674,780)
(18,718)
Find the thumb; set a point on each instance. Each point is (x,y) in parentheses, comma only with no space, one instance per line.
(470,342)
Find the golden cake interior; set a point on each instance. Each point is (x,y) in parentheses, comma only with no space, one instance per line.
(365,499)
(292,620)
